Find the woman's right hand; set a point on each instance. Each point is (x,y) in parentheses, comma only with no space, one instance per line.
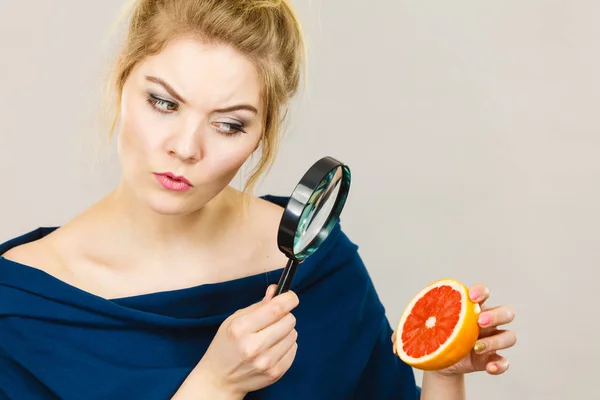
(254,347)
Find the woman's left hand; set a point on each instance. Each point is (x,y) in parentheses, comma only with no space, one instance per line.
(484,356)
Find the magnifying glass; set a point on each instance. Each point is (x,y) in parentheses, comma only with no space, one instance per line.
(311,213)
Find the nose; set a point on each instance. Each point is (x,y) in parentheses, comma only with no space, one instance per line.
(186,146)
(185,156)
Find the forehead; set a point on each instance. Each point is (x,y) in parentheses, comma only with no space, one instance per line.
(205,74)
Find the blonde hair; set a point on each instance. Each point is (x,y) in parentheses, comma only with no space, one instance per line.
(268,32)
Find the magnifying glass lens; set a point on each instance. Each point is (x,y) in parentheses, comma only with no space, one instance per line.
(315,217)
(308,220)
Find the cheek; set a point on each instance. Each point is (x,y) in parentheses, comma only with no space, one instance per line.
(138,136)
(229,162)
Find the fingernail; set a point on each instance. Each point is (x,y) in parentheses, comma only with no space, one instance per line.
(479,347)
(485,319)
(292,301)
(493,368)
(270,291)
(474,294)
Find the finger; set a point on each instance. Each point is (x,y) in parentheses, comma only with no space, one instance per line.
(273,334)
(496,365)
(496,316)
(270,292)
(269,312)
(287,360)
(270,358)
(479,293)
(284,364)
(394,343)
(485,332)
(244,311)
(500,341)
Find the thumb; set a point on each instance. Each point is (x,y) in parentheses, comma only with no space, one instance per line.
(270,293)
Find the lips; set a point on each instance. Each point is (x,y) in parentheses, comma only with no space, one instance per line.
(175,177)
(173,182)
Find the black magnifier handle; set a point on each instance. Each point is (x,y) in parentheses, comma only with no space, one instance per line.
(287,276)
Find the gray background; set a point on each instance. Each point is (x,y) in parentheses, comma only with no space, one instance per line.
(471,128)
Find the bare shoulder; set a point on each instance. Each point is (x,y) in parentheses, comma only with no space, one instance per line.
(268,213)
(54,254)
(264,225)
(37,254)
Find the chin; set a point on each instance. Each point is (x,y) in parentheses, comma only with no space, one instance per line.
(169,204)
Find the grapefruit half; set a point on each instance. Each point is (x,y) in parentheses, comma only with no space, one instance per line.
(439,326)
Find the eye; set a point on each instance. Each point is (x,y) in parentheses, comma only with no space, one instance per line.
(229,128)
(162,105)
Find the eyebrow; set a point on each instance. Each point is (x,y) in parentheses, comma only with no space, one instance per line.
(177,97)
(167,87)
(246,107)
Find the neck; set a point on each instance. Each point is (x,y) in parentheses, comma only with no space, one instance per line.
(140,228)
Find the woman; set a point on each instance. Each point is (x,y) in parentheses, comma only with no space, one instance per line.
(164,288)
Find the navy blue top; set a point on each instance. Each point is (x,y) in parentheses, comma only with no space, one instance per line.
(60,342)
